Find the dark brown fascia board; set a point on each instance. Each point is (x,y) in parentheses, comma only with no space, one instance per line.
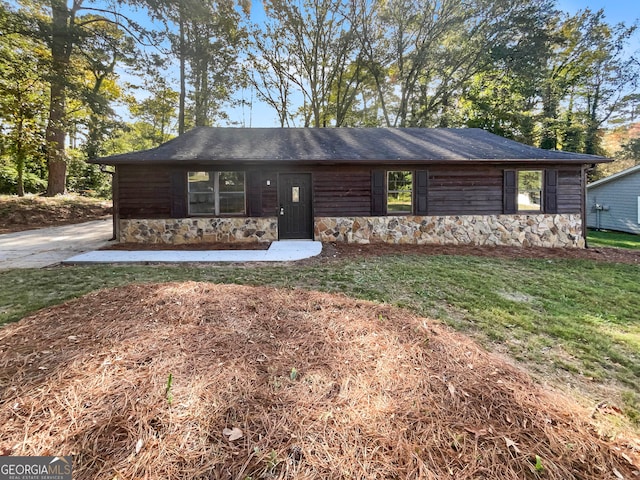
(399,161)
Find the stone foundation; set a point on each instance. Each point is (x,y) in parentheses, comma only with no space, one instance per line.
(543,230)
(199,230)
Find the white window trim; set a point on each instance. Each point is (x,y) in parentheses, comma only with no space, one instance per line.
(387,192)
(541,192)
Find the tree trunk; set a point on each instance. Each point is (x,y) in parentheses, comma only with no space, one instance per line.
(183,87)
(20,158)
(549,140)
(61,46)
(20,186)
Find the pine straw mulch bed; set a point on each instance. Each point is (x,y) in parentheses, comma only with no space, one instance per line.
(600,254)
(318,386)
(341,250)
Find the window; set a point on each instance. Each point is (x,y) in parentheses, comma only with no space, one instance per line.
(216,193)
(530,190)
(399,192)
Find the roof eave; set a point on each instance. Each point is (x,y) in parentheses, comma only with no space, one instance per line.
(362,161)
(615,176)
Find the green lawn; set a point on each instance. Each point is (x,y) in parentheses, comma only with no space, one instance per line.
(575,317)
(605,238)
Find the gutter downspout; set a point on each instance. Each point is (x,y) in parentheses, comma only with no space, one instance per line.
(584,202)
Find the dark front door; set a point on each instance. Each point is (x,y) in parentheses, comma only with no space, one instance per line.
(294,216)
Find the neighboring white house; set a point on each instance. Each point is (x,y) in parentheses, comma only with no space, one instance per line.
(613,203)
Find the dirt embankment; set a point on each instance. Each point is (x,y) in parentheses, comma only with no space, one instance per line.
(32,211)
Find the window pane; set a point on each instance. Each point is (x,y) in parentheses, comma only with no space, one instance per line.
(201,192)
(530,190)
(231,193)
(225,188)
(399,192)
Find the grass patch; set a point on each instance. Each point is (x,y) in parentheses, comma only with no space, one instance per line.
(604,238)
(577,316)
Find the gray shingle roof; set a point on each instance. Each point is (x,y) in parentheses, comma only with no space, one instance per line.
(343,145)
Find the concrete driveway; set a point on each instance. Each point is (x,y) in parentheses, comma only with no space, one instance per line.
(50,246)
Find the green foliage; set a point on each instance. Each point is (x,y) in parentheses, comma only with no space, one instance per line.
(167,391)
(87,179)
(22,107)
(630,150)
(520,69)
(157,115)
(538,465)
(32,183)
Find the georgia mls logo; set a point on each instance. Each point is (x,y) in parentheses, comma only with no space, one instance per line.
(36,468)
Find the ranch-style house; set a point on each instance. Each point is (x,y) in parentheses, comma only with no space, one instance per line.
(362,185)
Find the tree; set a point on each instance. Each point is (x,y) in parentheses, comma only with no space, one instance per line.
(503,97)
(22,103)
(588,74)
(64,29)
(213,41)
(269,74)
(611,76)
(422,54)
(98,89)
(156,115)
(316,58)
(630,150)
(206,45)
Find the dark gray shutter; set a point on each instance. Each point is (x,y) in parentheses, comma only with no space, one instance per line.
(422,185)
(378,178)
(509,192)
(254,194)
(551,191)
(178,187)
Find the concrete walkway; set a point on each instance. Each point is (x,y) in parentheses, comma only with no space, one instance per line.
(50,246)
(80,244)
(282,251)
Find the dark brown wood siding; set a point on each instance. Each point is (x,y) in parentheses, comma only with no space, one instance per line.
(147,192)
(144,192)
(342,194)
(570,190)
(465,191)
(269,193)
(336,192)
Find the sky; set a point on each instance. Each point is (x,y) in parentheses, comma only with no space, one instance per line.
(616,11)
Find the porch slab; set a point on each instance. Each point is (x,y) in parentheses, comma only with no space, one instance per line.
(280,251)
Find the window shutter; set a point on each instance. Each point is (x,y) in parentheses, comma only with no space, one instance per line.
(377,192)
(551,191)
(422,186)
(509,192)
(178,188)
(254,194)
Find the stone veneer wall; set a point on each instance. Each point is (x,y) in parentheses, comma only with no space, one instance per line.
(197,230)
(542,230)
